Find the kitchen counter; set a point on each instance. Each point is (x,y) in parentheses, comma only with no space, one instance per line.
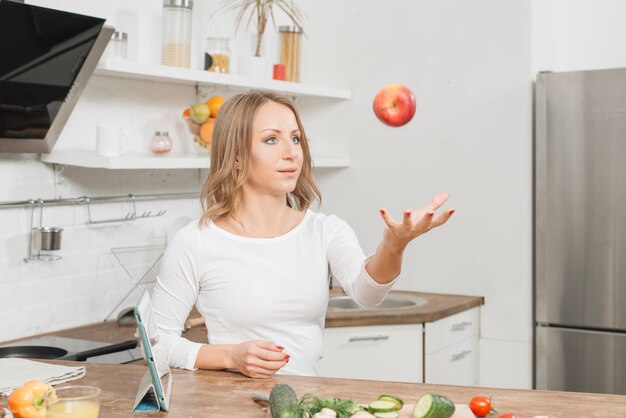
(438,306)
(225,394)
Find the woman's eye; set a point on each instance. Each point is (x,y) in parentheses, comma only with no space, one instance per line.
(271,140)
(295,139)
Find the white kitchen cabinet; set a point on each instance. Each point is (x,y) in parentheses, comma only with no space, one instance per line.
(451,349)
(380,352)
(440,352)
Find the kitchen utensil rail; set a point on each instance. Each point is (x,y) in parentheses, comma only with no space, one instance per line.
(103,199)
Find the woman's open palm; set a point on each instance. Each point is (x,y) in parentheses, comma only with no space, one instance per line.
(417,222)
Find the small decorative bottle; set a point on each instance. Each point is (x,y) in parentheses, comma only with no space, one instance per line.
(161,143)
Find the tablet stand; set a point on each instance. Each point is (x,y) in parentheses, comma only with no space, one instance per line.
(147,399)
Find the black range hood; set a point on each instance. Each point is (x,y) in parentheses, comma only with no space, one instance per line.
(46,59)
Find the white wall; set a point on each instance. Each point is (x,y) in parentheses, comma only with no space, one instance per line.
(573,35)
(469,65)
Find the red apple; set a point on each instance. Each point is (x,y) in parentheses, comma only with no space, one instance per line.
(394,105)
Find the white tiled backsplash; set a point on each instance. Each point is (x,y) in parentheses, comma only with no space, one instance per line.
(85,285)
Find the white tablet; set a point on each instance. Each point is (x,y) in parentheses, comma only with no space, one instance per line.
(155,388)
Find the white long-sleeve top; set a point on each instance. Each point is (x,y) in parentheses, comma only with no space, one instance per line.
(273,289)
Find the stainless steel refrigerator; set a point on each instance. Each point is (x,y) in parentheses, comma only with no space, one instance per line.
(580,231)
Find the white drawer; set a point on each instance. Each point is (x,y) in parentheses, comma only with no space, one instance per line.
(389,352)
(454,365)
(452,329)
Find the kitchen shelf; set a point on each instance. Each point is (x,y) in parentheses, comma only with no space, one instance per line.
(130,160)
(115,67)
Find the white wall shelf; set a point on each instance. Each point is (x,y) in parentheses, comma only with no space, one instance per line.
(142,71)
(131,161)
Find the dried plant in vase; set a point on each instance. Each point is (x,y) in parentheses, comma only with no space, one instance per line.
(260,11)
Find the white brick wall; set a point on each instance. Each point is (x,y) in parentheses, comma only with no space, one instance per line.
(85,285)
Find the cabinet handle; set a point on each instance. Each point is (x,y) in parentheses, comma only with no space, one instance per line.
(460,326)
(459,356)
(369,338)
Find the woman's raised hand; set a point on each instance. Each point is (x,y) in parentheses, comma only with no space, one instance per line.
(259,359)
(415,223)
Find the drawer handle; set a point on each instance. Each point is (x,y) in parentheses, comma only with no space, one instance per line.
(459,356)
(460,326)
(369,338)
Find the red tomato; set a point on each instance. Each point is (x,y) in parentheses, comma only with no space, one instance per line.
(480,406)
(507,416)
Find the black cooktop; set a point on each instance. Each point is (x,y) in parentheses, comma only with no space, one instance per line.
(63,348)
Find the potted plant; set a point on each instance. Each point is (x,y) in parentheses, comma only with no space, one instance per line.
(259,12)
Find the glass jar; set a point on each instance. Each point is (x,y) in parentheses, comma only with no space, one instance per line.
(118,45)
(176,37)
(290,51)
(217,55)
(161,143)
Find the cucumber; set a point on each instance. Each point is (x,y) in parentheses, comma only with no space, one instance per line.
(381,406)
(433,406)
(392,414)
(284,402)
(399,402)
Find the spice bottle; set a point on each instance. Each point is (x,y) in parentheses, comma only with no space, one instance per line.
(290,51)
(161,143)
(118,45)
(217,55)
(176,41)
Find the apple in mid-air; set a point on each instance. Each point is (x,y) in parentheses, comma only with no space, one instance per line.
(394,105)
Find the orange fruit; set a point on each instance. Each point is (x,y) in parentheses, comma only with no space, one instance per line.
(186,113)
(206,130)
(214,104)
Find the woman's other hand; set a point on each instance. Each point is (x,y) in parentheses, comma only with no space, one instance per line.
(258,359)
(415,223)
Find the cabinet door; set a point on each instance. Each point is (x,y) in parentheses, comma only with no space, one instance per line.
(454,365)
(451,330)
(389,352)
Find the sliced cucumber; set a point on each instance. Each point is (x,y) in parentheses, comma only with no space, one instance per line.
(392,414)
(381,406)
(399,402)
(433,406)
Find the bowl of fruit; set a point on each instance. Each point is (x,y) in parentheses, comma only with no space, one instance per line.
(200,118)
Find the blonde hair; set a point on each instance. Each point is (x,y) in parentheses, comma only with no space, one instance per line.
(232,141)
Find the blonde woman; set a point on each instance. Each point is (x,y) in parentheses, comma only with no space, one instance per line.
(257,263)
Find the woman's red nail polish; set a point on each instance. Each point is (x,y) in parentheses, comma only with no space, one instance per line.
(452,211)
(431,213)
(287,356)
(280,347)
(382,211)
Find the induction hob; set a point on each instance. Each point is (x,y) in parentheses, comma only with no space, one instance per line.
(90,351)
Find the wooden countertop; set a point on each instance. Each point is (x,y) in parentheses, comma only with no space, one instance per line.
(224,394)
(438,306)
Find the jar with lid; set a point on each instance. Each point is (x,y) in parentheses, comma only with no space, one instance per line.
(118,45)
(176,37)
(217,55)
(290,51)
(161,143)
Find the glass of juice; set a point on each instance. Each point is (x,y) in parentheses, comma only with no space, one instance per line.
(74,402)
